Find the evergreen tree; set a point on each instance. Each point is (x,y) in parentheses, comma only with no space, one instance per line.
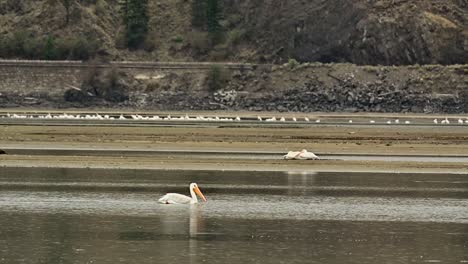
(213,15)
(135,19)
(50,51)
(199,13)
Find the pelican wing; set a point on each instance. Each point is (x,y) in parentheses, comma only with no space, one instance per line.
(308,155)
(291,155)
(300,155)
(175,198)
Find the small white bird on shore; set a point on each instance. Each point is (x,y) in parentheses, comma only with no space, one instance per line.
(389,122)
(237,119)
(259,118)
(282,119)
(407,122)
(372,122)
(300,155)
(350,121)
(460,121)
(397,121)
(436,121)
(294,119)
(307,119)
(317,121)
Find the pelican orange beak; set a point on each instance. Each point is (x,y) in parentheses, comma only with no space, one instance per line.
(199,193)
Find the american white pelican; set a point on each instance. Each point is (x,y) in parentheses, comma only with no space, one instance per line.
(282,119)
(306,119)
(407,122)
(460,121)
(300,155)
(175,198)
(436,121)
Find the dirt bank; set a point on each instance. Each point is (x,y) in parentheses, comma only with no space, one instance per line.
(288,87)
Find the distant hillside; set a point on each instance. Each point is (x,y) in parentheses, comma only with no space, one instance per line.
(385,32)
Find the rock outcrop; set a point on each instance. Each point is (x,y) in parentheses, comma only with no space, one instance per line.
(375,32)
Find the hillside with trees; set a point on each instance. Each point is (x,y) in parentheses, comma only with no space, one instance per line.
(362,32)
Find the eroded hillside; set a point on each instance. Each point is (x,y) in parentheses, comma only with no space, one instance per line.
(373,32)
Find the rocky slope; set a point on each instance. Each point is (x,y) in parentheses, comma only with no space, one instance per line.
(289,87)
(377,32)
(361,31)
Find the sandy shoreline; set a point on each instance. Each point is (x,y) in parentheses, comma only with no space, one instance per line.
(321,139)
(151,163)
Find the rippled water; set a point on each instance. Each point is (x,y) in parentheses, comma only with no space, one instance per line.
(112,216)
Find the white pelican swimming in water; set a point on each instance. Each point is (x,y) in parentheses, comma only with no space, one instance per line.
(300,155)
(175,198)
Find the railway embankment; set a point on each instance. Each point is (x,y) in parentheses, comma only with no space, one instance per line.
(297,87)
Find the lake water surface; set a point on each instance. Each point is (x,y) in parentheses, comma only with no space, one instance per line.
(112,216)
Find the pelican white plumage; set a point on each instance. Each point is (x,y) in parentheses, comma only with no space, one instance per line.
(436,121)
(301,155)
(282,119)
(460,121)
(306,119)
(176,198)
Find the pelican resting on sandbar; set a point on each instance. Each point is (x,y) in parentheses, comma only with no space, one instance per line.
(300,155)
(176,198)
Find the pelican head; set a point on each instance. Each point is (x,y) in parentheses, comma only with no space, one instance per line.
(194,189)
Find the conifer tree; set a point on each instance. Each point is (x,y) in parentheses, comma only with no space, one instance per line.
(135,18)
(50,52)
(199,13)
(213,15)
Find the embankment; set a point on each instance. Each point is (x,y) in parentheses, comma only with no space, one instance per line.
(228,86)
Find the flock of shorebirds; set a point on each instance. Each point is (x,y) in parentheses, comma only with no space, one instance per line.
(186,117)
